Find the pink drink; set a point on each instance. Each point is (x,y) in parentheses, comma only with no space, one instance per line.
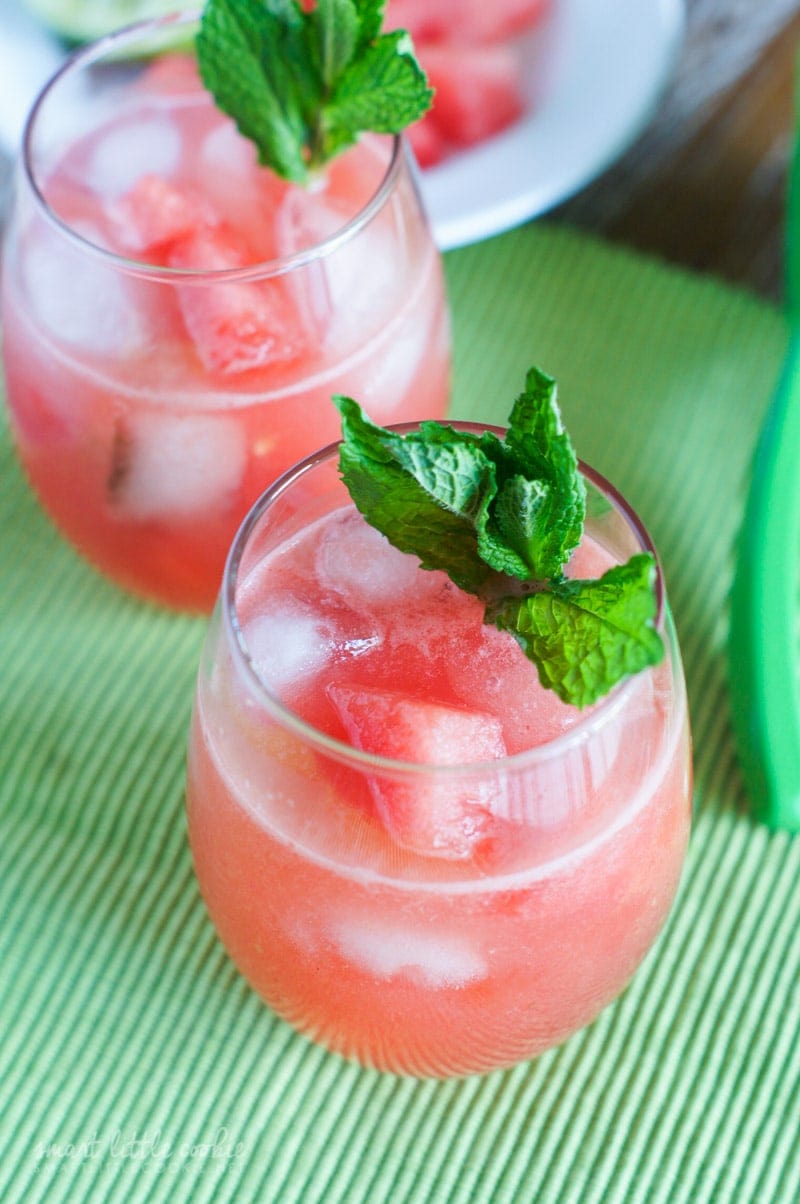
(176,318)
(417,855)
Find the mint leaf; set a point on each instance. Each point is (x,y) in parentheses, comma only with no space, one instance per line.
(511,525)
(336,28)
(585,636)
(380,90)
(245,55)
(502,518)
(498,522)
(544,526)
(302,85)
(421,490)
(371,14)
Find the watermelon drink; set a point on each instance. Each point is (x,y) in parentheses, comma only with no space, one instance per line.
(176,316)
(417,855)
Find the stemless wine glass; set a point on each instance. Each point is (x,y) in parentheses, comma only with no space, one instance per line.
(176,317)
(417,855)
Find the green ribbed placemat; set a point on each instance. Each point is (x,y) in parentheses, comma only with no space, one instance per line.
(135,1064)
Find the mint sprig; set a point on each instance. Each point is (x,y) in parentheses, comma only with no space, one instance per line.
(584,636)
(302,85)
(501,518)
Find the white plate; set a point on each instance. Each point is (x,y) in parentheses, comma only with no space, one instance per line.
(594,71)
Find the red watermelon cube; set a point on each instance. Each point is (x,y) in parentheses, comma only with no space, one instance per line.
(235,325)
(477,92)
(155,214)
(437,814)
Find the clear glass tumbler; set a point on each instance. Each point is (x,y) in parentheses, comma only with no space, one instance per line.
(176,317)
(413,852)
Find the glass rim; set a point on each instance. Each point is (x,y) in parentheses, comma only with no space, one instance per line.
(95,51)
(596,718)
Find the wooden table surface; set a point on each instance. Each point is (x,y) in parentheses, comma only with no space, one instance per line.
(716,202)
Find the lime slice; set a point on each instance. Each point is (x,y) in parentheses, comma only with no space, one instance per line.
(85,20)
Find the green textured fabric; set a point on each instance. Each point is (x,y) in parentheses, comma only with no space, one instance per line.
(135,1064)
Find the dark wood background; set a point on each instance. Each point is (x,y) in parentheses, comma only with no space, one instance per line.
(708,191)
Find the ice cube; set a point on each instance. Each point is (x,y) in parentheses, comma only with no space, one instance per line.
(417,334)
(549,793)
(176,466)
(81,300)
(544,797)
(580,774)
(231,181)
(601,752)
(358,562)
(286,643)
(142,145)
(348,292)
(386,948)
(305,219)
(226,152)
(289,641)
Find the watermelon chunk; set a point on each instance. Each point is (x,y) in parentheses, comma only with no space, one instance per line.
(465,47)
(436,816)
(155,214)
(234,325)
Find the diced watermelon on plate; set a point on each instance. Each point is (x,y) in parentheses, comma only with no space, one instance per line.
(438,814)
(477,91)
(427,142)
(466,48)
(464,22)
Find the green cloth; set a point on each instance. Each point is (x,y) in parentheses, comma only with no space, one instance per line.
(123,1021)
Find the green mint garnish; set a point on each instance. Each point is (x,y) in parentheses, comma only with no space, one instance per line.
(302,85)
(585,636)
(501,517)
